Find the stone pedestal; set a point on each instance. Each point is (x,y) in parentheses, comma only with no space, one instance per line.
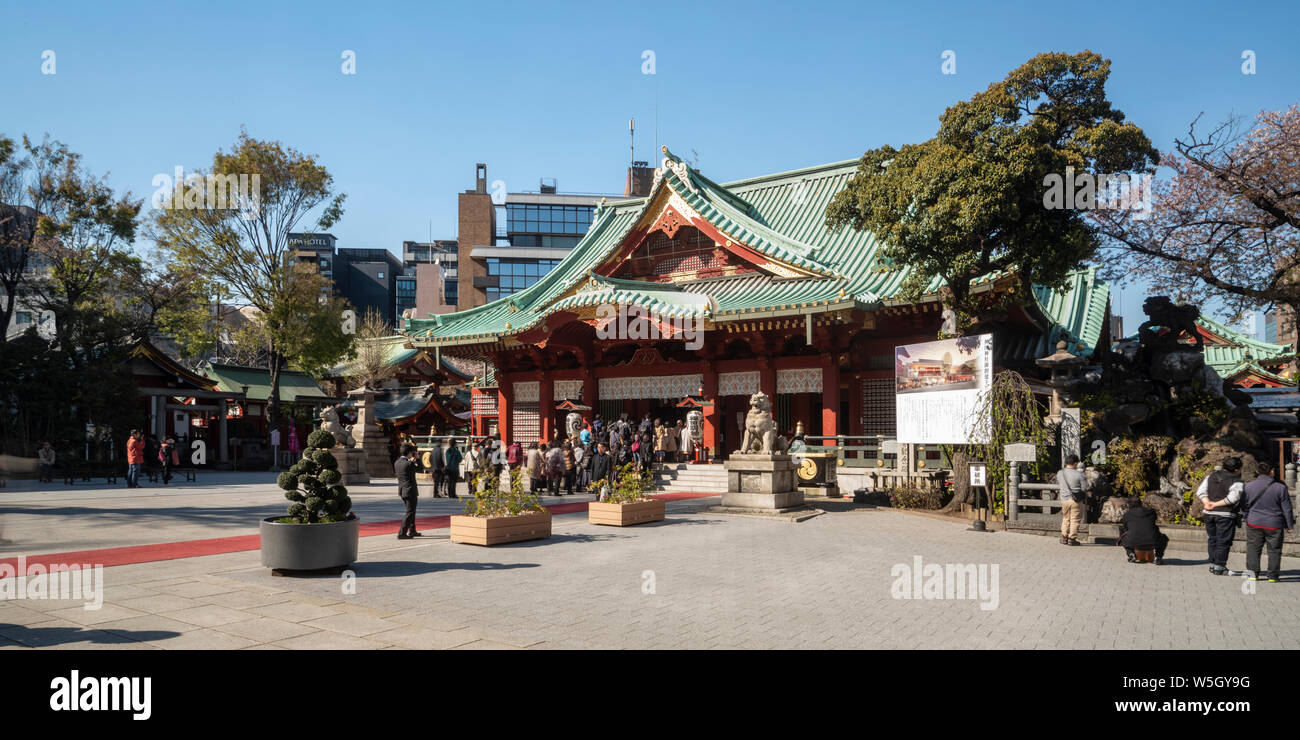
(764,482)
(370,438)
(352,464)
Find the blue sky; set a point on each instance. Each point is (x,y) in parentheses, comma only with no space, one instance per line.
(546,89)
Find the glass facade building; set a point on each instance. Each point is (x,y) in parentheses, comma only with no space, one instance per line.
(513,275)
(545,225)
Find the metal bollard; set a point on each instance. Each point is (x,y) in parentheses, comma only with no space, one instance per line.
(1290,475)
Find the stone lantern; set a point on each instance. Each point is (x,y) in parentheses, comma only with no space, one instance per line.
(1064,368)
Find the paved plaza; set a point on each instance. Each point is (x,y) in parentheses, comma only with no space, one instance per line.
(696,580)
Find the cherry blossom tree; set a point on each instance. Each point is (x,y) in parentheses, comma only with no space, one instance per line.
(1225,225)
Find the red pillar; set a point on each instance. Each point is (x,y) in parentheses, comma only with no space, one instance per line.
(546,405)
(589,393)
(503,409)
(713,412)
(767,378)
(830,394)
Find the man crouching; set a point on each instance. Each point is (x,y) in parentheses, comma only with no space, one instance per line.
(1138,531)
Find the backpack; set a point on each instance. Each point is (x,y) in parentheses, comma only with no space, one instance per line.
(1218,486)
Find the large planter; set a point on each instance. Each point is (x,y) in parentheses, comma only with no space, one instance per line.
(623,515)
(309,546)
(499,530)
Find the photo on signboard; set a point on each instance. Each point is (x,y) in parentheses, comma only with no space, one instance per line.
(943,365)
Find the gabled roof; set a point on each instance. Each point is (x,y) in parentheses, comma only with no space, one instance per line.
(1228,349)
(777,218)
(1252,372)
(396,354)
(294,385)
(146,350)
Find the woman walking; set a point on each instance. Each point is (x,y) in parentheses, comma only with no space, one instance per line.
(554,468)
(168,456)
(536,468)
(570,467)
(669,444)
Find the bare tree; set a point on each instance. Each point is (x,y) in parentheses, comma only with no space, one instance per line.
(371,366)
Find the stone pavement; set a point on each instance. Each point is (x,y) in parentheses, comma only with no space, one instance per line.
(696,580)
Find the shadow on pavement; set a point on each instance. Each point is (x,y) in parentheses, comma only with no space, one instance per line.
(671,521)
(555,537)
(51,636)
(399,568)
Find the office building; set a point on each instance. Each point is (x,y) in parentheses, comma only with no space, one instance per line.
(507,246)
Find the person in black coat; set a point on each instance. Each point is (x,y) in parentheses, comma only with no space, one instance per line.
(439,468)
(601,466)
(405,468)
(1138,529)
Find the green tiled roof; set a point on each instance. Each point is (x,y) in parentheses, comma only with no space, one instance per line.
(294,385)
(395,353)
(1253,367)
(781,216)
(1228,358)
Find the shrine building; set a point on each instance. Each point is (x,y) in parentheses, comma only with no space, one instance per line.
(716,291)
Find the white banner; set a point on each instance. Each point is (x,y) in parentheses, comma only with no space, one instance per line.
(566,390)
(738,384)
(527,391)
(939,388)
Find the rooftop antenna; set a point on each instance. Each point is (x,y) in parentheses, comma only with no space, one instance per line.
(631,129)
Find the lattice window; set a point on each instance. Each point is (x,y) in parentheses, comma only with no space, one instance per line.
(526,425)
(878,407)
(484,404)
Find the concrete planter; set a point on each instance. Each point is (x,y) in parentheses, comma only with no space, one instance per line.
(499,530)
(309,546)
(624,515)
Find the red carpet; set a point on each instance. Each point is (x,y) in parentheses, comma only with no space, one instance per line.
(134,554)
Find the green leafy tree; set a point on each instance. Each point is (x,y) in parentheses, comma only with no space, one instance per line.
(971,200)
(629,486)
(71,232)
(244,247)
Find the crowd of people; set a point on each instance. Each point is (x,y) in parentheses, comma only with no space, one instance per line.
(582,461)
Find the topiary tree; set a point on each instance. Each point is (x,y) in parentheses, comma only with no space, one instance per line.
(314,484)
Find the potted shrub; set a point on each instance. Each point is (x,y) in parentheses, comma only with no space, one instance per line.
(494,517)
(628,503)
(320,531)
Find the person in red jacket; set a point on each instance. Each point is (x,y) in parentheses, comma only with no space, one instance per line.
(134,458)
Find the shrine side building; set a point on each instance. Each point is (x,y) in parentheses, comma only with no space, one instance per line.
(746,289)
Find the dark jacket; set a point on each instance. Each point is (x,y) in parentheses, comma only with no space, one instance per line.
(453,460)
(405,471)
(600,466)
(1267,503)
(1138,528)
(437,459)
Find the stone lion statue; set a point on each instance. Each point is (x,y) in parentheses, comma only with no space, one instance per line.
(330,423)
(760,428)
(1162,312)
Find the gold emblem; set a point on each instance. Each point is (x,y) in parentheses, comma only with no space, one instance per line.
(808,469)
